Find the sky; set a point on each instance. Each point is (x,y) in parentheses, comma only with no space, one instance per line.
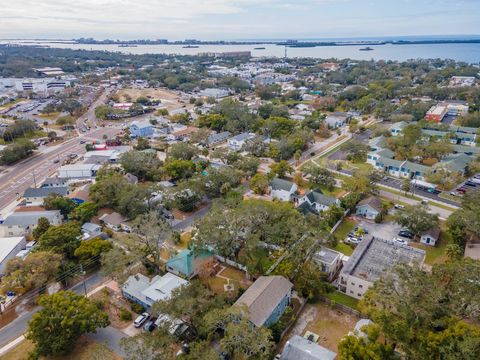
(235,19)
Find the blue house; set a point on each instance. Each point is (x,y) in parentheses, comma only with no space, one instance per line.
(267,299)
(141,129)
(187,263)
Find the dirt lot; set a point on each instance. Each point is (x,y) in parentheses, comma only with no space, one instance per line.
(113,303)
(329,324)
(170,99)
(85,350)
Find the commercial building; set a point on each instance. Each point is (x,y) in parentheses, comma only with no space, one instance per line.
(78,171)
(9,248)
(267,299)
(41,86)
(372,259)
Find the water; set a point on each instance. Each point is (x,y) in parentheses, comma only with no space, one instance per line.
(460,52)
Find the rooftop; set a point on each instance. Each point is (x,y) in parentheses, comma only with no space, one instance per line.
(7,245)
(280,184)
(263,297)
(326,255)
(373,256)
(299,348)
(28,218)
(44,192)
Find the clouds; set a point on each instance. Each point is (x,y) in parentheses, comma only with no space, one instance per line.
(226,18)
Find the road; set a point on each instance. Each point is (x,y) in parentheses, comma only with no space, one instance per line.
(32,171)
(18,326)
(182,225)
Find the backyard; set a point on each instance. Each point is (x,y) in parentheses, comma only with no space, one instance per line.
(228,275)
(341,233)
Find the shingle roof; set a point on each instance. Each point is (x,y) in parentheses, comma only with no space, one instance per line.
(30,217)
(372,201)
(299,348)
(433,232)
(44,192)
(316,196)
(280,184)
(264,296)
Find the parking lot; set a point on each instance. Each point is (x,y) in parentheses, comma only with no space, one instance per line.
(387,230)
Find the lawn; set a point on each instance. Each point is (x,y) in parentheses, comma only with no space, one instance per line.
(341,233)
(343,299)
(185,239)
(85,350)
(435,254)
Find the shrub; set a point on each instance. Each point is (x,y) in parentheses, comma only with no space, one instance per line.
(137,308)
(125,315)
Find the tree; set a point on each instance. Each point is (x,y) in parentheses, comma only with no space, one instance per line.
(259,184)
(320,176)
(310,282)
(142,144)
(358,347)
(420,312)
(219,181)
(63,318)
(144,165)
(416,219)
(92,248)
(61,239)
(247,164)
(156,346)
(406,186)
(84,212)
(58,202)
(102,111)
(182,151)
(42,226)
(281,168)
(179,169)
(465,222)
(116,262)
(20,150)
(153,231)
(35,271)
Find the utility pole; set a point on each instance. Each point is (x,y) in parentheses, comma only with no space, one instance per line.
(82,273)
(34,179)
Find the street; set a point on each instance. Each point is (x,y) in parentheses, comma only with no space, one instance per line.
(32,171)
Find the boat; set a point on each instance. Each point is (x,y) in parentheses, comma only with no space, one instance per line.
(190,47)
(368,48)
(259,48)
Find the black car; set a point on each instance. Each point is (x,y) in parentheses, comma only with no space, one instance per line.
(406,233)
(150,325)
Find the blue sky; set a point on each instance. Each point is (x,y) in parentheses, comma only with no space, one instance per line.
(236,19)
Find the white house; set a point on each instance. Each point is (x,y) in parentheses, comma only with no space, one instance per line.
(397,128)
(282,189)
(90,230)
(237,142)
(22,223)
(336,120)
(143,291)
(329,261)
(369,207)
(430,237)
(315,202)
(9,248)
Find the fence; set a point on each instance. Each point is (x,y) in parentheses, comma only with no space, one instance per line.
(231,263)
(342,307)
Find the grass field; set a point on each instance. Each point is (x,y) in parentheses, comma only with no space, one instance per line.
(85,350)
(341,233)
(343,299)
(435,254)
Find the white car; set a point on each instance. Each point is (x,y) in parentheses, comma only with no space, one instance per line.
(400,241)
(399,207)
(140,320)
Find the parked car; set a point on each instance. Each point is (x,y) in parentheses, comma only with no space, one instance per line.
(399,207)
(406,233)
(470,183)
(82,141)
(150,325)
(140,320)
(400,241)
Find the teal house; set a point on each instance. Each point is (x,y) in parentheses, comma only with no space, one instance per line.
(187,263)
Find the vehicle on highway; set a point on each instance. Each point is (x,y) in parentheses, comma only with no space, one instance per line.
(56,161)
(141,319)
(83,141)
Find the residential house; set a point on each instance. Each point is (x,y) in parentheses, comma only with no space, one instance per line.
(141,290)
(377,143)
(282,189)
(315,202)
(22,223)
(329,261)
(37,195)
(397,128)
(456,136)
(430,237)
(266,299)
(372,259)
(55,182)
(141,129)
(90,230)
(114,221)
(299,348)
(236,143)
(336,120)
(369,207)
(218,138)
(187,263)
(9,248)
(454,163)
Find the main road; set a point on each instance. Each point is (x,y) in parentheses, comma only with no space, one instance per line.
(32,171)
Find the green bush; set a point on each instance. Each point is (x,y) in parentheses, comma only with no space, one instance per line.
(137,308)
(125,315)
